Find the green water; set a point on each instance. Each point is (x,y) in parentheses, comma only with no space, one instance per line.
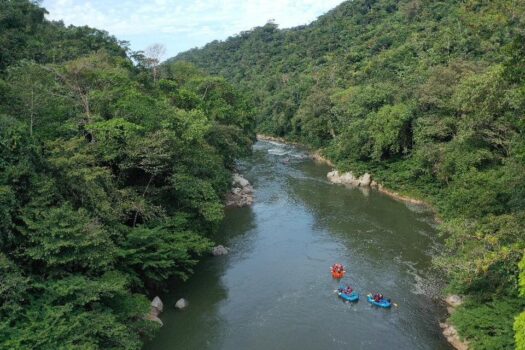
(274,290)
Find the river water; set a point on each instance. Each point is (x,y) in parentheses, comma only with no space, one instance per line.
(274,290)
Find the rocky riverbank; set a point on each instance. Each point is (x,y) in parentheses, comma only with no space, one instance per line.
(449,331)
(241,194)
(348,178)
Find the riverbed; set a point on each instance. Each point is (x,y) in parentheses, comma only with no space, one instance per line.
(274,290)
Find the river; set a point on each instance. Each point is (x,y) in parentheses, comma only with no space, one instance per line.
(274,290)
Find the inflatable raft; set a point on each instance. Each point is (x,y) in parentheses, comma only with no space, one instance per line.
(384,303)
(354,296)
(338,274)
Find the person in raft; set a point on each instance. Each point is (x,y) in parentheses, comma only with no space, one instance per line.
(337,268)
(346,290)
(378,297)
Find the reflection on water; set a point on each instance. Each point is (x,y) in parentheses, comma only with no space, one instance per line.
(274,290)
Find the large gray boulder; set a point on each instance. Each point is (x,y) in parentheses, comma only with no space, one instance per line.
(239,181)
(454,300)
(365,180)
(156,308)
(241,194)
(349,178)
(342,178)
(182,303)
(157,304)
(220,250)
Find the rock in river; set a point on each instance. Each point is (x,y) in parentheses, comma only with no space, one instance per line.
(241,194)
(156,308)
(182,303)
(220,250)
(157,304)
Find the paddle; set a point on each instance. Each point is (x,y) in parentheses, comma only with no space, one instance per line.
(391,302)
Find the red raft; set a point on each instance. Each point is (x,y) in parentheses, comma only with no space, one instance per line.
(338,271)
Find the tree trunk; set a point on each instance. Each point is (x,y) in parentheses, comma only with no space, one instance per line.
(143,195)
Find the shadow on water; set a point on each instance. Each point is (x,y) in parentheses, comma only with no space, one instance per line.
(274,291)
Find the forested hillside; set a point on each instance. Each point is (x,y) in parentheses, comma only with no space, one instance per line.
(111,181)
(428,96)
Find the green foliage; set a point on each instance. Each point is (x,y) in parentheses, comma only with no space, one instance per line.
(25,34)
(519,328)
(314,119)
(7,206)
(522,276)
(488,326)
(65,239)
(78,312)
(112,138)
(160,253)
(483,254)
(519,323)
(389,130)
(109,183)
(13,287)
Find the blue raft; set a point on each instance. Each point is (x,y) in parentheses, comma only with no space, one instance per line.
(349,297)
(385,303)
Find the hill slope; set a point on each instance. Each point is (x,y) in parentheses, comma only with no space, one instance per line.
(111,181)
(429,96)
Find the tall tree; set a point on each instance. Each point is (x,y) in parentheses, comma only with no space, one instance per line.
(154,54)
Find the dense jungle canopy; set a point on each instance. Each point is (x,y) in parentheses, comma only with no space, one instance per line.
(111,181)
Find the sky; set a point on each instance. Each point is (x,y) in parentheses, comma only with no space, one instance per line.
(183,24)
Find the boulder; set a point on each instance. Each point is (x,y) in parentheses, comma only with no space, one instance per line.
(247,190)
(157,304)
(454,300)
(365,180)
(452,336)
(182,303)
(154,318)
(220,250)
(337,178)
(156,308)
(236,190)
(239,181)
(241,195)
(349,178)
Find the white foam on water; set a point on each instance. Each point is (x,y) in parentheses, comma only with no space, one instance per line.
(275,143)
(298,155)
(278,151)
(428,285)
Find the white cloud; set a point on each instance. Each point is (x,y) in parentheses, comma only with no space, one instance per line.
(183,24)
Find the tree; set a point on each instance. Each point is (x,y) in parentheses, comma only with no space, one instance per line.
(154,54)
(31,84)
